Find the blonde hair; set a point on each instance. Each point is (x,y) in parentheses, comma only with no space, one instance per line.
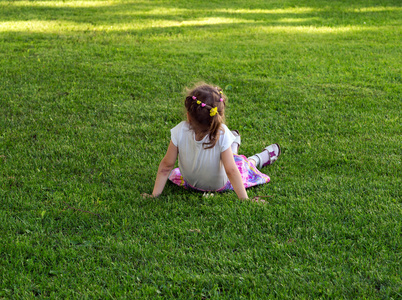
(205,104)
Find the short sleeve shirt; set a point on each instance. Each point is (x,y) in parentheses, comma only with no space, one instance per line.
(202,168)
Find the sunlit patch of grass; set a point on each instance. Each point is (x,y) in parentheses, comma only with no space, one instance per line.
(290,10)
(201,22)
(375,9)
(312,29)
(66,26)
(296,20)
(160,11)
(42,26)
(82,4)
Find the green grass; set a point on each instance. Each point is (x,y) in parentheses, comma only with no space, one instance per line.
(88,93)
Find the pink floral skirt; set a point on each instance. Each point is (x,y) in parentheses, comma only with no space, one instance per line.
(250,175)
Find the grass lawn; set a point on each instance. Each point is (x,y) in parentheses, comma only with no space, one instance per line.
(89,91)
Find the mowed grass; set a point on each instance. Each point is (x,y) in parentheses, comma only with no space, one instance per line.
(89,91)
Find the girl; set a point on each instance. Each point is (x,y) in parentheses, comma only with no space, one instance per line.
(207,150)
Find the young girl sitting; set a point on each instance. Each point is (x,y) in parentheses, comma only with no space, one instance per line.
(207,150)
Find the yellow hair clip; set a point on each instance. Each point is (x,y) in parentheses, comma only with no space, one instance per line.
(198,102)
(213,111)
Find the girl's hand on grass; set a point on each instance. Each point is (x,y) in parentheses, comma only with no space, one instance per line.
(259,200)
(145,195)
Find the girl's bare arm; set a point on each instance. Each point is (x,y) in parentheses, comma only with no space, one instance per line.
(165,167)
(233,173)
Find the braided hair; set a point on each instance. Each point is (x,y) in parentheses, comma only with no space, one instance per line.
(206,107)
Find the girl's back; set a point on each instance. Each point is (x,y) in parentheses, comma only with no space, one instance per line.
(201,167)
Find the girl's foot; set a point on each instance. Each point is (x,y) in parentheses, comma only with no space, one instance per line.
(236,143)
(268,156)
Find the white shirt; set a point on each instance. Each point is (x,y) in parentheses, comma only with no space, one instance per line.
(201,168)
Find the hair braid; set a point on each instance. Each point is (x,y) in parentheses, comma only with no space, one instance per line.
(206,106)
